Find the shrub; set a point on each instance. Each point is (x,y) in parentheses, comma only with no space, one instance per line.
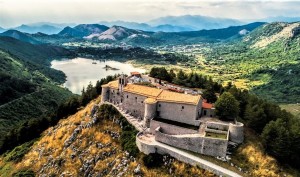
(18,152)
(24,173)
(153,160)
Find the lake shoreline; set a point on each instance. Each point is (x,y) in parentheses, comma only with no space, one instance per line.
(81,71)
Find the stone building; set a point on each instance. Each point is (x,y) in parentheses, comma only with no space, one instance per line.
(177,119)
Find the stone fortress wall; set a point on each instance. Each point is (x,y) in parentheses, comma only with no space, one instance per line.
(170,129)
(134,104)
(179,112)
(174,123)
(236,132)
(194,143)
(148,147)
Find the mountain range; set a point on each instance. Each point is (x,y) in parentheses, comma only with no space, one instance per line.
(195,22)
(101,33)
(162,24)
(47,29)
(147,27)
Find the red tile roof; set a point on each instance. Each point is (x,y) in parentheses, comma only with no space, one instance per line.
(134,73)
(206,105)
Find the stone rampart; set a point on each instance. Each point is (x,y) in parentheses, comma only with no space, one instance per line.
(217,125)
(194,142)
(170,129)
(236,132)
(156,147)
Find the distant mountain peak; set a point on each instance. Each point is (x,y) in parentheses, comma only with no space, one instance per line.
(196,22)
(83,30)
(20,36)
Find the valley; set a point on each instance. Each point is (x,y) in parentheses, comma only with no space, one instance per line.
(48,80)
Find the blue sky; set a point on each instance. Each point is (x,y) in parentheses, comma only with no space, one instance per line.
(16,12)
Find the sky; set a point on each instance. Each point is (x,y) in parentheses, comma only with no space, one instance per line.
(16,12)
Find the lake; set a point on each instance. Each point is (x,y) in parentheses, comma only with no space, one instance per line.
(81,71)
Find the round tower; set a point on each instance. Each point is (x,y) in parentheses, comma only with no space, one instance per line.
(236,132)
(105,94)
(150,111)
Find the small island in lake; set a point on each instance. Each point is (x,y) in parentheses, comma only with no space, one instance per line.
(107,67)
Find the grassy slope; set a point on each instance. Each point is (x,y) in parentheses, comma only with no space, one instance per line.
(52,141)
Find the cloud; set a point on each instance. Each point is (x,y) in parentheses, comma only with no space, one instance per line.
(16,12)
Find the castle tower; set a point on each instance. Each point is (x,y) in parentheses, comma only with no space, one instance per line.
(236,132)
(105,94)
(150,111)
(122,82)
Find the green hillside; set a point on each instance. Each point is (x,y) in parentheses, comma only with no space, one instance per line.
(268,57)
(28,88)
(40,54)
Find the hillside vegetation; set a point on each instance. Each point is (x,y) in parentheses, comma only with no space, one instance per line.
(268,58)
(95,148)
(28,87)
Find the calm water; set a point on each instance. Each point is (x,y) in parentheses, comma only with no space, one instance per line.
(81,71)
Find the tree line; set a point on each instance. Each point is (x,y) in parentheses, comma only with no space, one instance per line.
(191,80)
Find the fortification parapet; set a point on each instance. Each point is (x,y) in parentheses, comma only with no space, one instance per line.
(150,111)
(236,132)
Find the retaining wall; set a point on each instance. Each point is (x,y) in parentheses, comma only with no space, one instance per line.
(148,147)
(170,129)
(204,145)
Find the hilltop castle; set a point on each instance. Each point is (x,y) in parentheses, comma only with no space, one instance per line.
(181,120)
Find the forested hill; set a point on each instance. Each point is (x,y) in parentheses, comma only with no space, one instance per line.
(39,53)
(28,87)
(268,56)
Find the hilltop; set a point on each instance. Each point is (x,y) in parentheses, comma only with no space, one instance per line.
(90,143)
(80,146)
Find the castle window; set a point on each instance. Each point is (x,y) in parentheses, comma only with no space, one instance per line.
(159,105)
(142,102)
(182,107)
(127,96)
